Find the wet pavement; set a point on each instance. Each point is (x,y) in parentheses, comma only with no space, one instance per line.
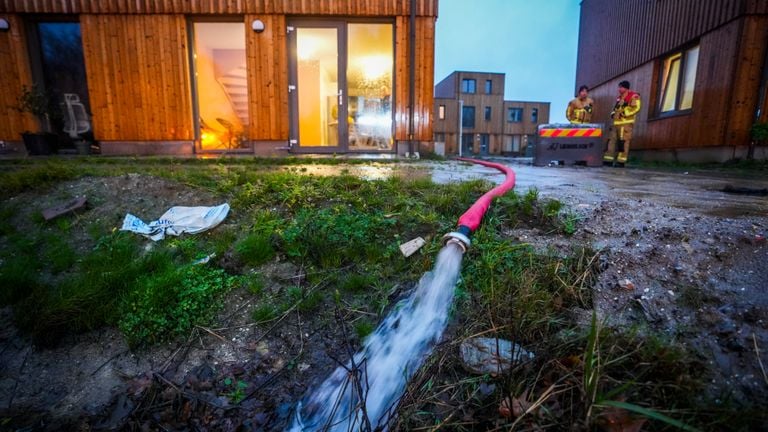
(700,191)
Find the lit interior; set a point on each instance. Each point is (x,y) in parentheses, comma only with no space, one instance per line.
(317,52)
(671,79)
(222,85)
(369,79)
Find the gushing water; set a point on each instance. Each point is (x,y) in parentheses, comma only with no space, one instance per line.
(376,376)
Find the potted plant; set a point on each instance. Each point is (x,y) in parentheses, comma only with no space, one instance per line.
(42,105)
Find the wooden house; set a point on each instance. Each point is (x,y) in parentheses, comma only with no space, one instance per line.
(255,76)
(700,66)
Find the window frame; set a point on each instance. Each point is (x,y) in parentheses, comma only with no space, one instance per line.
(464,117)
(488,86)
(657,106)
(441,112)
(487,113)
(516,109)
(534,113)
(467,81)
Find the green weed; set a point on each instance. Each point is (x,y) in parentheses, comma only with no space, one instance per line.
(170,303)
(255,249)
(363,328)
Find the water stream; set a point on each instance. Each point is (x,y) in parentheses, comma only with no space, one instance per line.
(376,376)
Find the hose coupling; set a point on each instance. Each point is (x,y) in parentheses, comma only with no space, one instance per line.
(459,238)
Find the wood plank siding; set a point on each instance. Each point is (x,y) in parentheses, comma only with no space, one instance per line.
(223,7)
(619,35)
(138,72)
(138,77)
(732,36)
(14,73)
(267,61)
(424,83)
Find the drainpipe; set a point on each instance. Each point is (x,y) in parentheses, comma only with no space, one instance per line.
(459,130)
(412,76)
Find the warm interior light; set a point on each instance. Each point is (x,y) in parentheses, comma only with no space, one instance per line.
(375,66)
(307,48)
(209,140)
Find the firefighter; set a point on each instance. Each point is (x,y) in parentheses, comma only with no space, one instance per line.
(623,116)
(580,108)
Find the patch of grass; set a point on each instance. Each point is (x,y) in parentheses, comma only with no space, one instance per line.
(254,283)
(170,303)
(18,277)
(58,254)
(363,328)
(35,176)
(337,236)
(357,283)
(255,249)
(265,312)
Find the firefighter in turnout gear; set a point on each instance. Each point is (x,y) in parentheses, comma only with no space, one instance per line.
(623,116)
(580,108)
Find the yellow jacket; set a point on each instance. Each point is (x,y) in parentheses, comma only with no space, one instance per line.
(579,111)
(626,108)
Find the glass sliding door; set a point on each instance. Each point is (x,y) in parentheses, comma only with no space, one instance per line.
(341,81)
(320,103)
(221,85)
(370,82)
(63,73)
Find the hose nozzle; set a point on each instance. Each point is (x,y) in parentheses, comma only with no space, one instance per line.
(459,238)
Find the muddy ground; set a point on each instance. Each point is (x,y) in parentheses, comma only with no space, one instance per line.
(678,256)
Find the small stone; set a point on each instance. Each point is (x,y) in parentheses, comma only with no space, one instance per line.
(626,285)
(491,356)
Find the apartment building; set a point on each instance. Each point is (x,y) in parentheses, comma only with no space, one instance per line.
(473,102)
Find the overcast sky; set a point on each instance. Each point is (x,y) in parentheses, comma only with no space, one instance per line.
(534,43)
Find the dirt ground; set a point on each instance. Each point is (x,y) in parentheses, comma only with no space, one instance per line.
(679,255)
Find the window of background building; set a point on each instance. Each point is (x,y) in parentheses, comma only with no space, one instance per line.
(487,113)
(534,115)
(441,112)
(514,115)
(488,86)
(468,86)
(468,117)
(439,137)
(678,79)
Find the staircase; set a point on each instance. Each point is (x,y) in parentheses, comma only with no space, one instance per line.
(235,84)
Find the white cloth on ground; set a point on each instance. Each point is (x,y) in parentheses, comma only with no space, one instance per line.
(177,220)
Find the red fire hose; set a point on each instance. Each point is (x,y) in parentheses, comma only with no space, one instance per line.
(474,215)
(470,220)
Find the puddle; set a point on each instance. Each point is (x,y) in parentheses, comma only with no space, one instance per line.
(699,192)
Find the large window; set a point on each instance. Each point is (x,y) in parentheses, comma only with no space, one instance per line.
(468,117)
(63,75)
(468,86)
(514,115)
(222,84)
(369,84)
(678,80)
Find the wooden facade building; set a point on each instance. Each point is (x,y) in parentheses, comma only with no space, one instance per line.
(700,66)
(489,124)
(263,76)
